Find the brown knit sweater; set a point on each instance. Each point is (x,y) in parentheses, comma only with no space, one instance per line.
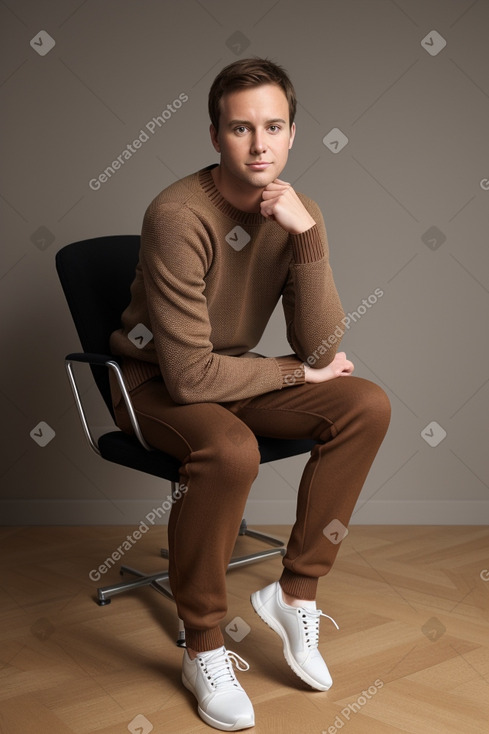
(208,279)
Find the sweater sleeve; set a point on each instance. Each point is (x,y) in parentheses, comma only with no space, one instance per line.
(312,307)
(175,256)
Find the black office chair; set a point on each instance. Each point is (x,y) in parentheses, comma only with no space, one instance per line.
(96,275)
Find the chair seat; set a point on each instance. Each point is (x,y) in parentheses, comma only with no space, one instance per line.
(124,449)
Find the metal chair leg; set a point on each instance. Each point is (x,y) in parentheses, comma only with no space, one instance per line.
(105,593)
(237,562)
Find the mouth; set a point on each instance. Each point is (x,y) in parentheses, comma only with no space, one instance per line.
(258,165)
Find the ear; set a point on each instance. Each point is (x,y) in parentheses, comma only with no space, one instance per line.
(214,139)
(292,135)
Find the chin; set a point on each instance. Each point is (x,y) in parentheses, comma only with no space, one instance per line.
(260,180)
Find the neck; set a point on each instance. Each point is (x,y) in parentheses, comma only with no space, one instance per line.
(242,196)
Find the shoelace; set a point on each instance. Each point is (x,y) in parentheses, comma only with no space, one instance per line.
(310,620)
(218,667)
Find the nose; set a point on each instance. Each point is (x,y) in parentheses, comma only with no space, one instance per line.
(258,144)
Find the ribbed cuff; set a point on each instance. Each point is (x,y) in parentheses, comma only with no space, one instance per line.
(136,372)
(300,587)
(307,246)
(204,640)
(292,371)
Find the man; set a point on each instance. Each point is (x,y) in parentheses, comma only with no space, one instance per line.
(219,249)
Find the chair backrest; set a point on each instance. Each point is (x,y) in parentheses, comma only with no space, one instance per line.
(96,276)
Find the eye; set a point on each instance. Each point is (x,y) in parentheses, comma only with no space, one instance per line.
(240,130)
(275,129)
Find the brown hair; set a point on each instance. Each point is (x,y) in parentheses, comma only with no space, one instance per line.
(251,72)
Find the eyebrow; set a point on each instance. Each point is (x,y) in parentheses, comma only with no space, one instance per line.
(250,124)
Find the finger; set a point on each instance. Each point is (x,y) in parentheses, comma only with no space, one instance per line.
(268,204)
(266,211)
(271,194)
(277,185)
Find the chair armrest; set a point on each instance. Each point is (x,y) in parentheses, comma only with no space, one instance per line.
(112,363)
(92,358)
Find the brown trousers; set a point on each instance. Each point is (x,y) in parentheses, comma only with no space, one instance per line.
(220,459)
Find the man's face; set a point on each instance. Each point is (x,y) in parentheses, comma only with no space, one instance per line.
(254,136)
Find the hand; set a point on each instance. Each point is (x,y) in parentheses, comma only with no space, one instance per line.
(281,203)
(339,367)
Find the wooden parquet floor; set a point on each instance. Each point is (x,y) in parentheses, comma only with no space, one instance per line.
(411,655)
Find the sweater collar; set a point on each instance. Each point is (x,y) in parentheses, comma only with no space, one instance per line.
(207,183)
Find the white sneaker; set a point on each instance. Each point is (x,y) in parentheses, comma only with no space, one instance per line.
(299,630)
(222,701)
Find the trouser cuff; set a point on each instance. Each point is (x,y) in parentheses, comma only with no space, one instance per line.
(204,640)
(300,587)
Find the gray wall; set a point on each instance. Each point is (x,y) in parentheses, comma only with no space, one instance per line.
(405,202)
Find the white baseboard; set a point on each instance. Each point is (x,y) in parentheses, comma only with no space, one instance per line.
(382,512)
(258,512)
(422,512)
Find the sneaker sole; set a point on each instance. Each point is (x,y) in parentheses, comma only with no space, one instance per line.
(277,627)
(237,726)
